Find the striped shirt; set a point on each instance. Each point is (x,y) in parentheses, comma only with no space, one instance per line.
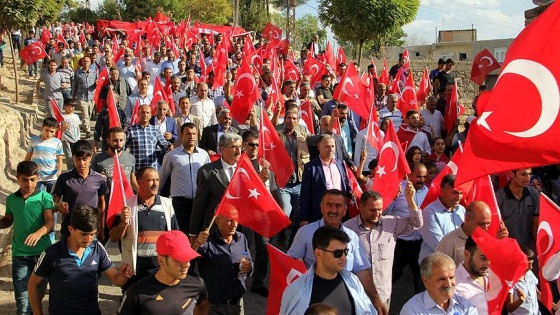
(44,153)
(142,143)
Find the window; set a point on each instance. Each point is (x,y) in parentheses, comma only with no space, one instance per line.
(463,56)
(417,54)
(447,55)
(500,53)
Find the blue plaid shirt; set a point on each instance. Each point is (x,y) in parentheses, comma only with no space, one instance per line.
(142,142)
(84,84)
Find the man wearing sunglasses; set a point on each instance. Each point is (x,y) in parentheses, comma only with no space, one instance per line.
(333,208)
(327,281)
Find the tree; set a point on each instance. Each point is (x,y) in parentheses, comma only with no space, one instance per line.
(23,14)
(361,20)
(306,27)
(253,14)
(108,10)
(213,12)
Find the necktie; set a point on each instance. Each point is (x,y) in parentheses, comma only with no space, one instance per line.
(230,171)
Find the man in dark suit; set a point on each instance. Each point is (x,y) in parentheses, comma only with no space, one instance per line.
(319,175)
(211,134)
(340,150)
(212,181)
(166,125)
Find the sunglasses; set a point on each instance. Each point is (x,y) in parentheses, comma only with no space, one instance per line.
(337,253)
(253,145)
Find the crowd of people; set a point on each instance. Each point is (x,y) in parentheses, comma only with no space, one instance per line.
(174,260)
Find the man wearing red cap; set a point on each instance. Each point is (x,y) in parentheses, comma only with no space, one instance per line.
(169,290)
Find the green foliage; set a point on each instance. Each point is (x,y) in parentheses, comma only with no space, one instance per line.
(80,14)
(253,14)
(107,10)
(26,13)
(359,21)
(306,27)
(213,11)
(283,4)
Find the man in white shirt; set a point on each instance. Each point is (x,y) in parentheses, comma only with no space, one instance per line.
(472,277)
(432,117)
(204,107)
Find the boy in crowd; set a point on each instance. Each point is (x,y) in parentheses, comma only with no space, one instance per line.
(71,128)
(46,151)
(31,214)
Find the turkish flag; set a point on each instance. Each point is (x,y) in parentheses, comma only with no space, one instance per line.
(529,76)
(483,190)
(336,126)
(191,38)
(120,190)
(306,115)
(170,99)
(406,59)
(503,273)
(352,92)
(392,166)
(118,55)
(256,59)
(483,63)
(114,120)
(248,201)
(58,115)
(384,76)
(46,35)
(340,57)
(134,117)
(283,271)
(424,87)
(291,71)
(219,66)
(373,136)
(32,53)
(246,92)
(272,32)
(407,100)
(274,151)
(275,96)
(160,17)
(60,39)
(315,69)
(451,168)
(102,80)
(548,242)
(159,94)
(453,111)
(394,87)
(248,48)
(353,182)
(329,56)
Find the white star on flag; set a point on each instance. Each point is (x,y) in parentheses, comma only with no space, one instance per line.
(381,171)
(254,193)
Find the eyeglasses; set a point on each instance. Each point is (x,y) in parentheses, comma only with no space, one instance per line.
(337,253)
(253,145)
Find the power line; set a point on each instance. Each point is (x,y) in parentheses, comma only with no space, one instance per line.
(471,19)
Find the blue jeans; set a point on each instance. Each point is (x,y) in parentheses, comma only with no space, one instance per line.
(289,198)
(33,69)
(22,267)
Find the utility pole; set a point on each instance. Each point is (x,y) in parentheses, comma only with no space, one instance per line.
(291,21)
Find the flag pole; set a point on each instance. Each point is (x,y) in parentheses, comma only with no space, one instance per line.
(211,222)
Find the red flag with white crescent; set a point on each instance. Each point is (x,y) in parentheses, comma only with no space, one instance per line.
(548,243)
(483,63)
(283,271)
(424,87)
(58,116)
(32,53)
(246,92)
(102,80)
(248,201)
(392,166)
(306,115)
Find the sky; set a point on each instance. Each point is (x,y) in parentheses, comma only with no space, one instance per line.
(493,19)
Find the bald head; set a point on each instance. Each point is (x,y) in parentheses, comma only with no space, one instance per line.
(478,214)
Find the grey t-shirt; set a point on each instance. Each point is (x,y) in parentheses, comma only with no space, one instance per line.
(52,85)
(103,164)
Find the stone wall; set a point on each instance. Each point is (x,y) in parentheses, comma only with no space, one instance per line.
(17,123)
(467,88)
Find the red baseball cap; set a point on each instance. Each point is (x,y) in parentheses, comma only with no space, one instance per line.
(176,245)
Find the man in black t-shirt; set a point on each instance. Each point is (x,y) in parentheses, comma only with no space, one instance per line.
(445,76)
(169,290)
(327,281)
